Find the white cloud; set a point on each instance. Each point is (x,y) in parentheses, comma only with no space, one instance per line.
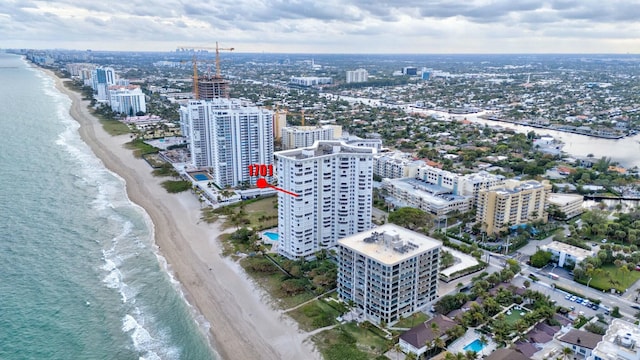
(409,26)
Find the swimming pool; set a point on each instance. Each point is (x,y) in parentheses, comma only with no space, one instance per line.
(200,177)
(475,346)
(271,235)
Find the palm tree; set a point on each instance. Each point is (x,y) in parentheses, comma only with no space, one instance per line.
(566,353)
(439,343)
(470,355)
(435,329)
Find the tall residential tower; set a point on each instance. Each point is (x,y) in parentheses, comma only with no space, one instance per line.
(227,136)
(334,181)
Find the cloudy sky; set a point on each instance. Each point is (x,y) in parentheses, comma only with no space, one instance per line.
(327,26)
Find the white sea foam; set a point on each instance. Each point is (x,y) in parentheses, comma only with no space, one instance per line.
(149,346)
(109,195)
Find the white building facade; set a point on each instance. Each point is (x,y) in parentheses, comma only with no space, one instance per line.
(357,76)
(127,100)
(389,272)
(294,137)
(227,136)
(334,181)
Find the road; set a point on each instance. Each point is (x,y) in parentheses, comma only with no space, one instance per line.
(607,299)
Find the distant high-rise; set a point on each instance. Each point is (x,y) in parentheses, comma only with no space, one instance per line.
(357,76)
(128,100)
(410,70)
(334,181)
(279,122)
(227,136)
(102,78)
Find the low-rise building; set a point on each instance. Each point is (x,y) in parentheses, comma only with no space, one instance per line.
(620,342)
(581,342)
(309,80)
(416,340)
(427,197)
(294,137)
(569,204)
(389,272)
(394,165)
(565,253)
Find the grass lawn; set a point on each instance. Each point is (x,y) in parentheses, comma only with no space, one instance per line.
(349,341)
(315,315)
(260,214)
(271,283)
(412,320)
(140,148)
(515,316)
(601,281)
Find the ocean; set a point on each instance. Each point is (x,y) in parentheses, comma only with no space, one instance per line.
(80,276)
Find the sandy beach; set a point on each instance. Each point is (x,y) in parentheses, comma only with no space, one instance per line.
(243,323)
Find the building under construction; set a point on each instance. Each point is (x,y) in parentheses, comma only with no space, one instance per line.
(212,87)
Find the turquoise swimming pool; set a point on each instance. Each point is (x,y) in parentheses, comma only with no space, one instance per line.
(271,235)
(475,346)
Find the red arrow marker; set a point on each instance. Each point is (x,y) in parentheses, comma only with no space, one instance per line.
(262,183)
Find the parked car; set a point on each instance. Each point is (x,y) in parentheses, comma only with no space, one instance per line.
(567,297)
(637,307)
(573,298)
(604,241)
(638,267)
(595,306)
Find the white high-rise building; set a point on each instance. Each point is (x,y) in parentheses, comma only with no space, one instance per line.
(334,181)
(294,137)
(389,272)
(127,100)
(227,136)
(356,76)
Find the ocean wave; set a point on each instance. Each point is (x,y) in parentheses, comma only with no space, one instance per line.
(149,347)
(108,190)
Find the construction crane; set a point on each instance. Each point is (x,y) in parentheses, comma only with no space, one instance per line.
(218,49)
(195,63)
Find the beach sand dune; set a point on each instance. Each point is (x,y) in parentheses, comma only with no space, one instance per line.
(243,323)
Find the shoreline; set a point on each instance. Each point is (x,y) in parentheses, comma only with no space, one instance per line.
(242,322)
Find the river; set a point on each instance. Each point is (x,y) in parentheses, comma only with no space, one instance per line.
(625,151)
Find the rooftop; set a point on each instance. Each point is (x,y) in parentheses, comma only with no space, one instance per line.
(569,249)
(434,194)
(563,199)
(389,244)
(323,148)
(506,354)
(622,337)
(585,339)
(420,335)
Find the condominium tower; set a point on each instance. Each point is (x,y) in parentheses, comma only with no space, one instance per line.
(334,181)
(389,272)
(515,203)
(356,76)
(304,136)
(228,135)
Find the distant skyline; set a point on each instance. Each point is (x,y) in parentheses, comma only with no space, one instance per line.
(330,26)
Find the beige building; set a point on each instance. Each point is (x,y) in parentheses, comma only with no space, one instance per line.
(279,122)
(515,203)
(388,272)
(569,204)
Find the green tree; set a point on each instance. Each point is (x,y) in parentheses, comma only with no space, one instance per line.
(410,218)
(540,258)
